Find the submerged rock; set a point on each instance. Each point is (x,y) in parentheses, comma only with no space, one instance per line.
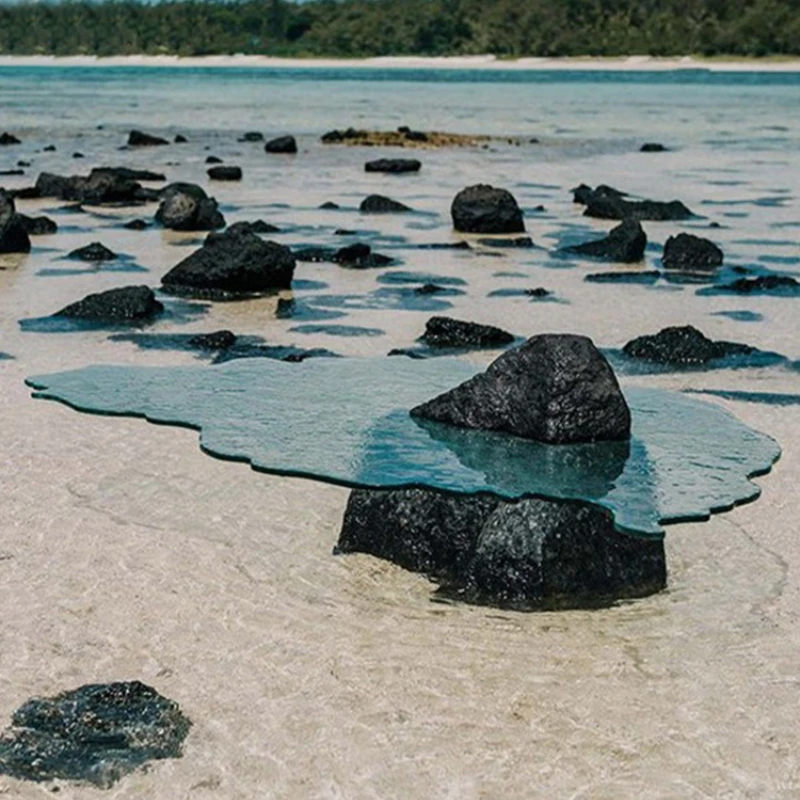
(218,340)
(126,304)
(688,252)
(393,165)
(763,283)
(236,261)
(378,204)
(528,554)
(136,225)
(37,226)
(186,207)
(682,345)
(555,388)
(282,144)
(652,147)
(13,234)
(225,173)
(625,243)
(140,139)
(96,733)
(519,241)
(448,332)
(96,251)
(484,209)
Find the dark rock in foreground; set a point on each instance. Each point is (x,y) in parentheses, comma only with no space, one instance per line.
(448,332)
(378,204)
(688,252)
(140,139)
(682,345)
(236,261)
(7,138)
(186,207)
(527,554)
(225,173)
(218,340)
(127,304)
(37,226)
(283,144)
(96,251)
(555,388)
(393,165)
(625,243)
(96,733)
(13,235)
(484,209)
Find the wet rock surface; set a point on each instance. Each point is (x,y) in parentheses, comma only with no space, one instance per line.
(186,207)
(485,209)
(393,165)
(625,243)
(688,252)
(555,388)
(236,261)
(126,304)
(281,144)
(378,204)
(225,173)
(653,147)
(141,139)
(527,554)
(103,185)
(97,733)
(448,332)
(96,251)
(605,202)
(217,340)
(682,345)
(763,284)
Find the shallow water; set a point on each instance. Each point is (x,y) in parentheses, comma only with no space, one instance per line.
(126,553)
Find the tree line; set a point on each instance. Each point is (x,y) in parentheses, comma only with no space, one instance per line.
(357,28)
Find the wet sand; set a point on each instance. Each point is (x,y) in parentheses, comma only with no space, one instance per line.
(126,553)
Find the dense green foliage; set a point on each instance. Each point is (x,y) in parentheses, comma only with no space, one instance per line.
(402,27)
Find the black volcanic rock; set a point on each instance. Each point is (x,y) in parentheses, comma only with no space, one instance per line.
(225,173)
(763,283)
(97,733)
(126,304)
(13,234)
(555,388)
(37,226)
(652,147)
(625,243)
(361,256)
(393,165)
(448,332)
(688,252)
(610,207)
(484,209)
(283,144)
(378,204)
(217,340)
(236,261)
(7,138)
(213,160)
(529,554)
(180,139)
(186,207)
(583,194)
(682,345)
(96,251)
(140,139)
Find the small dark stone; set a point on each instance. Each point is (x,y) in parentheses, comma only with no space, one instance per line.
(252,136)
(361,255)
(37,226)
(763,283)
(126,304)
(225,173)
(555,388)
(415,136)
(93,252)
(714,225)
(429,288)
(23,163)
(181,139)
(10,172)
(484,209)
(343,232)
(448,332)
(136,225)
(96,733)
(218,340)
(528,554)
(329,205)
(283,144)
(236,261)
(612,205)
(140,139)
(539,291)
(519,241)
(393,165)
(688,252)
(333,137)
(625,243)
(641,276)
(583,194)
(78,155)
(213,160)
(186,207)
(7,138)
(652,147)
(378,204)
(682,345)
(51,148)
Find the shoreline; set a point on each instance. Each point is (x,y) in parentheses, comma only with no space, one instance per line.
(482,62)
